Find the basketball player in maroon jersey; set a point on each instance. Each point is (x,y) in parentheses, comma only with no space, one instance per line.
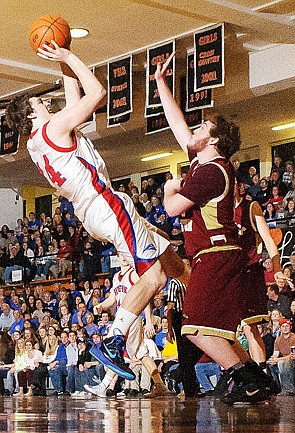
(212,307)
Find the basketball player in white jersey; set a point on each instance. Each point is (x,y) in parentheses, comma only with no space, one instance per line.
(71,165)
(135,346)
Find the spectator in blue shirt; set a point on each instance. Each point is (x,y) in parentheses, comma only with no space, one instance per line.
(79,317)
(34,223)
(161,336)
(91,327)
(151,214)
(157,205)
(66,206)
(72,295)
(69,220)
(18,325)
(58,367)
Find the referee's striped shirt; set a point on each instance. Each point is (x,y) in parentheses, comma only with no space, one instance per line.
(176,293)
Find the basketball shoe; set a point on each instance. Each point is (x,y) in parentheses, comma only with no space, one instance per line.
(158,390)
(245,388)
(99,390)
(110,353)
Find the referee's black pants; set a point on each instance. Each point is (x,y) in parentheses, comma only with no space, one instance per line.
(188,355)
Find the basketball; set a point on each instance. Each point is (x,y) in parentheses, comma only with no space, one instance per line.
(47,28)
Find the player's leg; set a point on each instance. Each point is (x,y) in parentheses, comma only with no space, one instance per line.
(257,361)
(110,351)
(159,388)
(248,386)
(256,344)
(136,348)
(212,311)
(155,229)
(126,230)
(150,283)
(217,348)
(100,389)
(174,266)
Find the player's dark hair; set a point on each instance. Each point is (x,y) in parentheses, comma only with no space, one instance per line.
(17,113)
(228,133)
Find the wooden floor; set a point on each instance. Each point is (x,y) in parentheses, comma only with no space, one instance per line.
(134,415)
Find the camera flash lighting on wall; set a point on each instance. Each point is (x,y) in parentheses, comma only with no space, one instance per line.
(285,126)
(159,155)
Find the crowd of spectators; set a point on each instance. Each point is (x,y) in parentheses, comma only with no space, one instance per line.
(51,247)
(276,194)
(47,334)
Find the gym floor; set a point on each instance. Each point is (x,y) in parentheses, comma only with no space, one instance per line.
(139,415)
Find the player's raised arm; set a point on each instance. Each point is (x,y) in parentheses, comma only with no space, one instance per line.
(71,86)
(172,111)
(66,120)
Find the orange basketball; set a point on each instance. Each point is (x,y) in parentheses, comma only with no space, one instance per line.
(277,235)
(47,28)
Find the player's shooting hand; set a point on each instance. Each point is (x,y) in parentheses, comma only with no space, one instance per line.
(56,54)
(162,68)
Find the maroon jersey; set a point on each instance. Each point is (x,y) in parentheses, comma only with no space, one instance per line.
(211,187)
(249,239)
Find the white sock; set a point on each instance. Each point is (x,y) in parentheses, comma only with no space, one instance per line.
(122,322)
(106,381)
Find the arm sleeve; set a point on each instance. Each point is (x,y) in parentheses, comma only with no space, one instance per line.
(207,182)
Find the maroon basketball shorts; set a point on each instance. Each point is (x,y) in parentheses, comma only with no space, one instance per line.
(214,300)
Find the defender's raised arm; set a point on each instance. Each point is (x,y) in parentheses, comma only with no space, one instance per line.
(172,111)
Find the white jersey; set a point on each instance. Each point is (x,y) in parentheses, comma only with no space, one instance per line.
(121,285)
(78,173)
(135,345)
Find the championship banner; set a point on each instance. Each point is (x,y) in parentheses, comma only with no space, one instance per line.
(116,121)
(119,87)
(199,99)
(154,56)
(193,117)
(156,123)
(9,139)
(152,111)
(209,58)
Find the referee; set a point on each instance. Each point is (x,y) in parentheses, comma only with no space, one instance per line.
(188,353)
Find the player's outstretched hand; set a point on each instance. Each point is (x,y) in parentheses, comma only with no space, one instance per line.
(162,67)
(56,54)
